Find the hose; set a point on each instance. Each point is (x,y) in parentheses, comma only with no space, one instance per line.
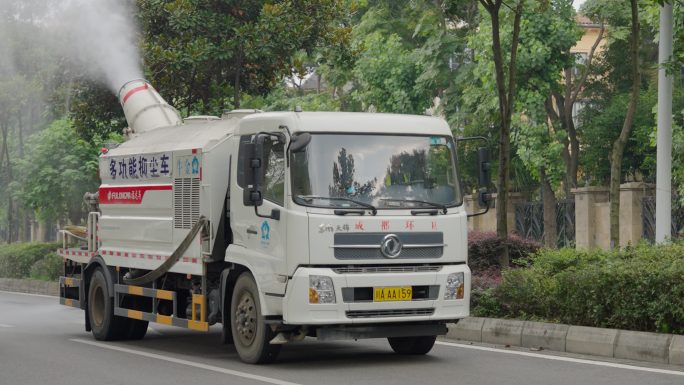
(164,268)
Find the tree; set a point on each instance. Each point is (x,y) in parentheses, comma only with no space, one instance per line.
(619,146)
(565,102)
(506,93)
(548,33)
(60,167)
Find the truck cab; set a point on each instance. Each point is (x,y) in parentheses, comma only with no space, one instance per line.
(370,227)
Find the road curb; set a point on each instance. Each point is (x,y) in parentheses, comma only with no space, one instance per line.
(29,286)
(614,343)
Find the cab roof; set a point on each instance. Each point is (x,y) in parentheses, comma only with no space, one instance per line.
(204,135)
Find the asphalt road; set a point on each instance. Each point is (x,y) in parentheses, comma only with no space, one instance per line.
(42,342)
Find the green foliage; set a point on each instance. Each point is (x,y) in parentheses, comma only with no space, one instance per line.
(601,122)
(280,101)
(59,168)
(49,268)
(33,259)
(652,17)
(388,74)
(638,287)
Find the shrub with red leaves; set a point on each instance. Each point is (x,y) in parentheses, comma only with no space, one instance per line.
(484,249)
(486,279)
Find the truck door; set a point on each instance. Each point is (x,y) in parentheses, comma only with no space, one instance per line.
(263,238)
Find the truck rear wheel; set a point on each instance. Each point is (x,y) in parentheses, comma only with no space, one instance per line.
(104,324)
(251,335)
(412,346)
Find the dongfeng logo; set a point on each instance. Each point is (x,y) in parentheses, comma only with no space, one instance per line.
(390,246)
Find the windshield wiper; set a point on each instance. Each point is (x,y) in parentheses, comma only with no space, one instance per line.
(438,205)
(362,204)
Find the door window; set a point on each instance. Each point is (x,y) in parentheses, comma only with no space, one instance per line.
(274,171)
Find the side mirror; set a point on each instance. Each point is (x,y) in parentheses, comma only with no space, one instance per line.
(299,142)
(484,197)
(253,196)
(483,166)
(253,163)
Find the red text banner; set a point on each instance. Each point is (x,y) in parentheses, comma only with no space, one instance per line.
(131,195)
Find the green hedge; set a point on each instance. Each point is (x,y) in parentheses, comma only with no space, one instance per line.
(30,260)
(636,288)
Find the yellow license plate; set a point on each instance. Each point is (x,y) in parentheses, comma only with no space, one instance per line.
(393,294)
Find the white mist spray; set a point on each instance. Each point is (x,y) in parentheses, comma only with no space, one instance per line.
(100,36)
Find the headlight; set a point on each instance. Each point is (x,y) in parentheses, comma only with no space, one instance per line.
(321,289)
(454,286)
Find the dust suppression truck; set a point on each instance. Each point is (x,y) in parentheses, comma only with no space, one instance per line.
(277,226)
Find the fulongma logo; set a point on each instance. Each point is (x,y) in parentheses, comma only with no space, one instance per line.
(109,196)
(390,246)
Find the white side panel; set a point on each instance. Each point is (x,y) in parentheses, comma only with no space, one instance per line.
(297,240)
(144,230)
(265,267)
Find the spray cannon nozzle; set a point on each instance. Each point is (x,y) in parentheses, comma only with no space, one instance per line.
(144,108)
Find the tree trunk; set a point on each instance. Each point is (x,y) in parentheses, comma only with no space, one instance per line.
(23,235)
(566,108)
(238,70)
(621,142)
(557,124)
(21,135)
(505,109)
(318,84)
(550,226)
(10,228)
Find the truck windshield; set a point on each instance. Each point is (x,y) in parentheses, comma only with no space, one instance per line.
(381,170)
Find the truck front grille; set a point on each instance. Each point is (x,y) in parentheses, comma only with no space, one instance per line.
(389,313)
(375,253)
(386,269)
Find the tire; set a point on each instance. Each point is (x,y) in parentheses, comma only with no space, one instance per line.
(251,340)
(134,329)
(412,346)
(104,324)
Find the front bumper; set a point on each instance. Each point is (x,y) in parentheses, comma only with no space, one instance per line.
(298,311)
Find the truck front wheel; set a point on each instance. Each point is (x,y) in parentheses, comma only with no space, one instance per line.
(250,334)
(105,325)
(412,346)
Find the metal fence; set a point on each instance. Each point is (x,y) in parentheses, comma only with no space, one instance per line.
(529,221)
(648,217)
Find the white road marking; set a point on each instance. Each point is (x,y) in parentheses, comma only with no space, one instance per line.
(6,326)
(188,363)
(566,359)
(149,329)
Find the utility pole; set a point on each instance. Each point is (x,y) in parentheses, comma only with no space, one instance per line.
(664,143)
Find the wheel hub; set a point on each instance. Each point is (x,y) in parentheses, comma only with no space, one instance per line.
(97,305)
(245,318)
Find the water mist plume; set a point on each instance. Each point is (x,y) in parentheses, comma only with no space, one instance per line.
(100,37)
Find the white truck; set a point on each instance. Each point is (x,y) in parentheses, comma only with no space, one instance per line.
(276,225)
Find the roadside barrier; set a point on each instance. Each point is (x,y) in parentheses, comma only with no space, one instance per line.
(29,286)
(639,346)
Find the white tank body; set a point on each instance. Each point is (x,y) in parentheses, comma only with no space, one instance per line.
(155,187)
